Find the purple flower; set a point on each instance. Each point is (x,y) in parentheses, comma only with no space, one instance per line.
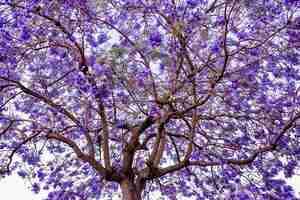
(67,184)
(72,38)
(216,47)
(92,41)
(102,38)
(33,159)
(244,197)
(220,21)
(95,187)
(154,111)
(41,175)
(53,51)
(293,58)
(170,190)
(155,39)
(22,173)
(290,2)
(101,92)
(25,35)
(120,124)
(161,67)
(241,35)
(289,168)
(193,3)
(254,52)
(2,22)
(36,188)
(91,60)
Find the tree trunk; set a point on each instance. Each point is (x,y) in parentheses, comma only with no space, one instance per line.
(130,191)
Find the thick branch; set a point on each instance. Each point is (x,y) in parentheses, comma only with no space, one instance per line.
(133,144)
(79,153)
(105,141)
(130,191)
(159,145)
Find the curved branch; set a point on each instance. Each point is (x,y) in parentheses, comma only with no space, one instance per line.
(9,99)
(2,87)
(201,163)
(11,155)
(78,152)
(56,106)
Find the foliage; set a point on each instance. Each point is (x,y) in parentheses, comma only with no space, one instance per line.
(195,98)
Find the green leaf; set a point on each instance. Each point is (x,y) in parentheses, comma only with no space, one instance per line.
(155,54)
(118,51)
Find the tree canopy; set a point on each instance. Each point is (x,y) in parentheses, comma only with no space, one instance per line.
(194,98)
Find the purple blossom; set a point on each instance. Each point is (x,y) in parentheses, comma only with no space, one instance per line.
(220,21)
(290,2)
(41,175)
(25,35)
(22,173)
(32,159)
(102,38)
(101,92)
(242,35)
(36,188)
(120,124)
(289,168)
(155,39)
(2,22)
(161,67)
(67,184)
(92,41)
(216,47)
(193,3)
(293,58)
(91,60)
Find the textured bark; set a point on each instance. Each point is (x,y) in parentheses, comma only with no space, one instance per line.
(130,191)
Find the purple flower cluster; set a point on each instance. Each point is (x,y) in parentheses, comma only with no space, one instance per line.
(155,39)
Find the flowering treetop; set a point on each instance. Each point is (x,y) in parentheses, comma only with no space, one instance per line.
(196,98)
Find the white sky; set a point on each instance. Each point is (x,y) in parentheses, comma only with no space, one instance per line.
(16,188)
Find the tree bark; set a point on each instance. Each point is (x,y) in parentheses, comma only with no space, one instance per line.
(130,191)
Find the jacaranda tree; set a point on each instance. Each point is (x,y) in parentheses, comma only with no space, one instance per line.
(194,98)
